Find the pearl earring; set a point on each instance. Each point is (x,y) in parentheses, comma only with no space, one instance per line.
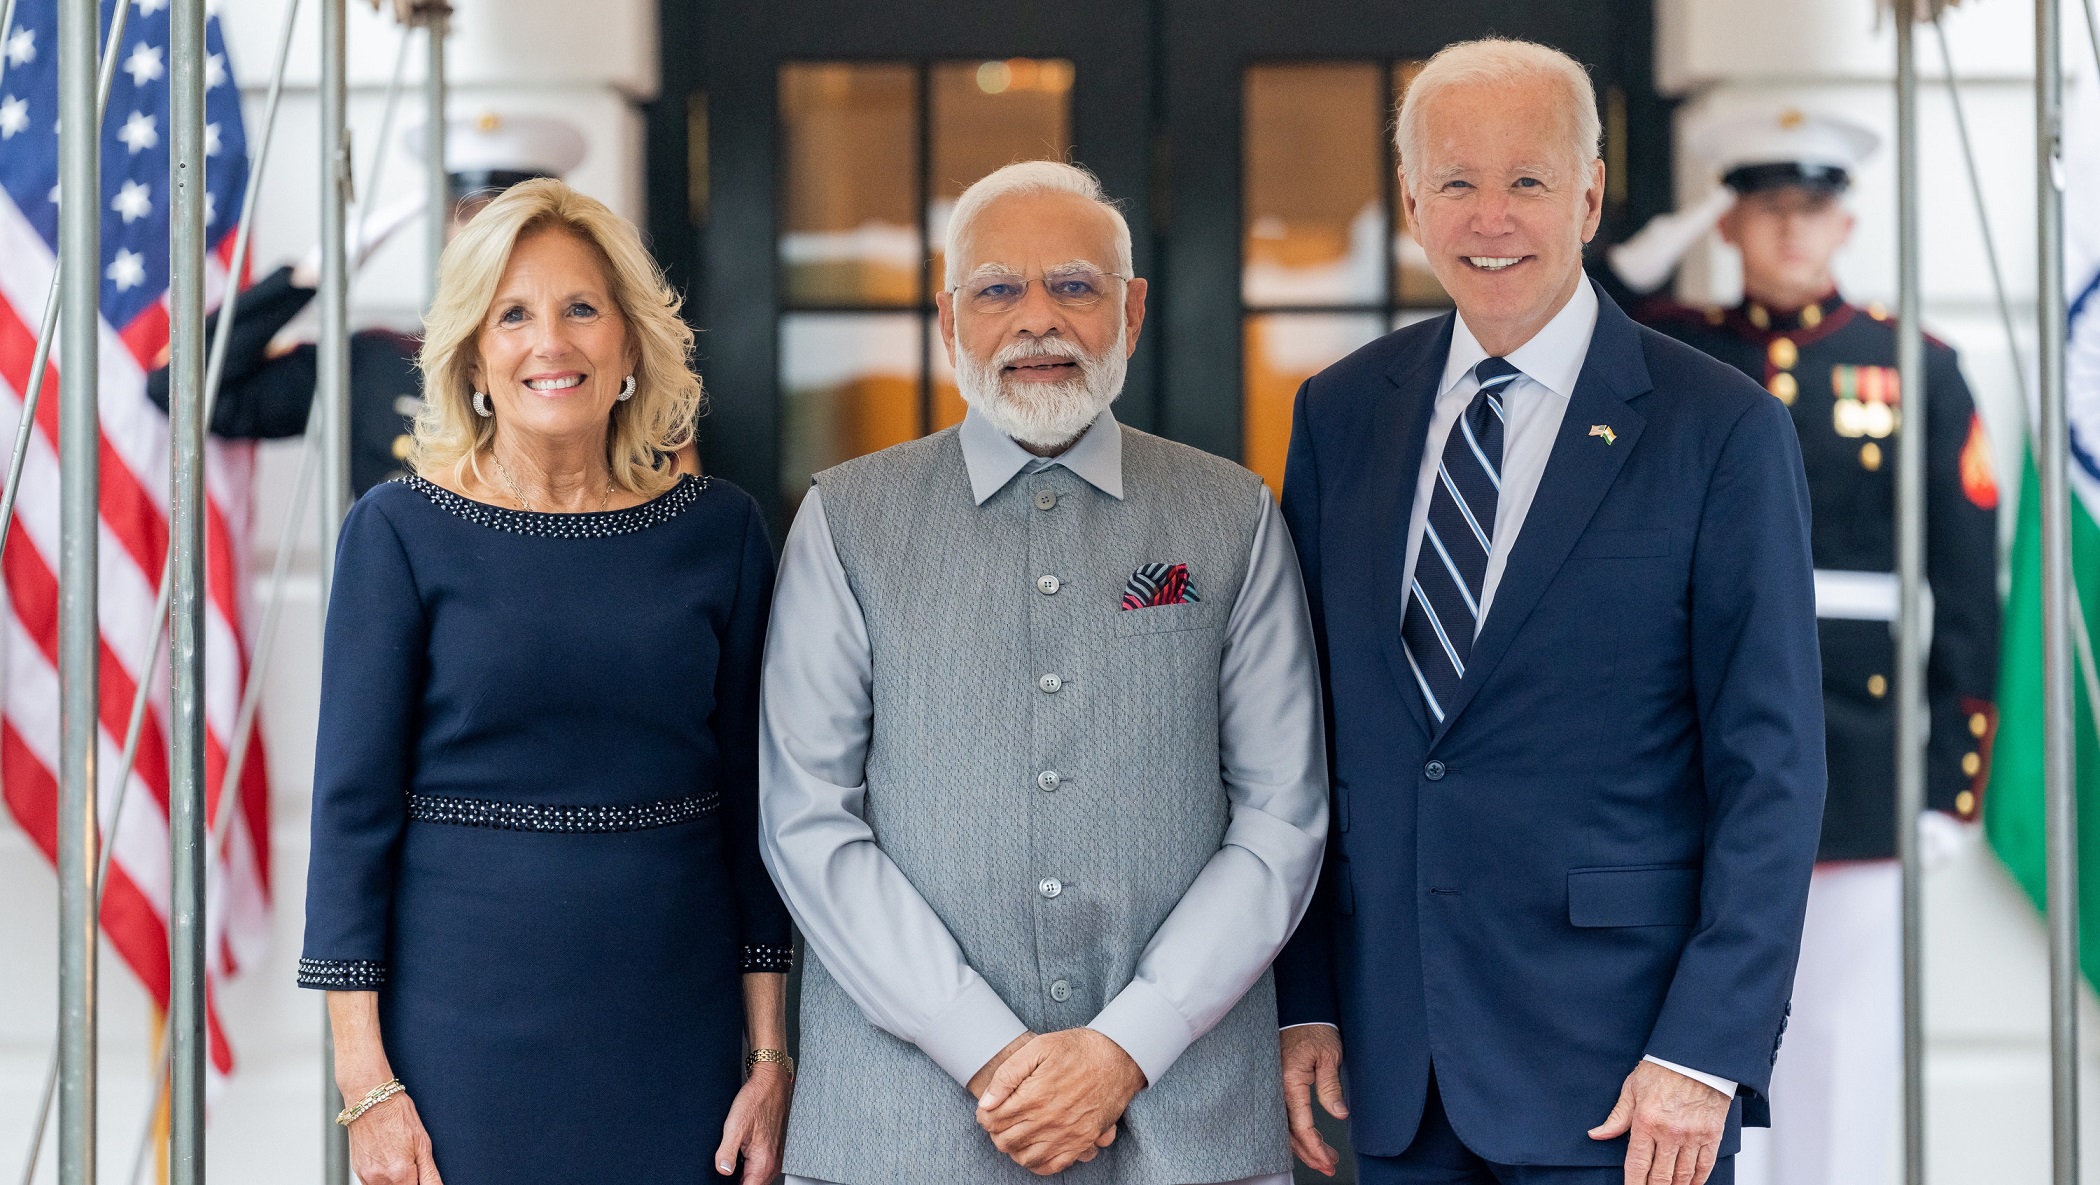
(481,405)
(627,389)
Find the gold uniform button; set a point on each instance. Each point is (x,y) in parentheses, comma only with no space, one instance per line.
(1759,317)
(1715,316)
(1811,316)
(1784,388)
(1877,686)
(403,445)
(1978,725)
(1970,763)
(1870,456)
(1878,311)
(1783,352)
(1965,803)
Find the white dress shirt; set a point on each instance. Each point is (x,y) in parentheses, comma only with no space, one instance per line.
(1533,405)
(878,937)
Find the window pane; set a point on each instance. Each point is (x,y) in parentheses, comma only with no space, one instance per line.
(849,385)
(986,114)
(1315,189)
(1284,350)
(849,231)
(1414,285)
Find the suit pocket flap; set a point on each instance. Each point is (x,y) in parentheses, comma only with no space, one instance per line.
(1601,544)
(1161,619)
(1645,895)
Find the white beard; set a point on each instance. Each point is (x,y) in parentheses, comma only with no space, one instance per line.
(1045,415)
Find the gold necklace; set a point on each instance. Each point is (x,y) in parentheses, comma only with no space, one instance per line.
(503,471)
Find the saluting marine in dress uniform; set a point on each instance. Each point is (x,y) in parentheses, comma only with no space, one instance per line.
(1834,365)
(267,388)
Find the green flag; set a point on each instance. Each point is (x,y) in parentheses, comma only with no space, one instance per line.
(2013,804)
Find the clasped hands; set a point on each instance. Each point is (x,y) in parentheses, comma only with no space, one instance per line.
(1054,1101)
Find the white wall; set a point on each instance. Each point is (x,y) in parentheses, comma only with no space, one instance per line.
(1986,967)
(505,55)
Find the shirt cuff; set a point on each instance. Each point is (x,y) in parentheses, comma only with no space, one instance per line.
(970,1032)
(1151,1030)
(1723,1085)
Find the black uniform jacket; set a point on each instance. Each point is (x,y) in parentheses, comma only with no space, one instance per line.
(1833,364)
(266,397)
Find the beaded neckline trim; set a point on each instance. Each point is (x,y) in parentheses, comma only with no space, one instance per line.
(596,524)
(519,816)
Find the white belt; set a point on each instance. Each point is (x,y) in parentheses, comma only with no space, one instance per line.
(1863,596)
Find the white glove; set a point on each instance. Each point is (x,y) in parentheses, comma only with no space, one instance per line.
(380,227)
(1644,261)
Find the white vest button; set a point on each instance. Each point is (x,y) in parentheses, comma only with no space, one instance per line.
(1050,683)
(1060,991)
(1050,886)
(1049,780)
(1047,585)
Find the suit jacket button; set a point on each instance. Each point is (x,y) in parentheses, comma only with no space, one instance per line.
(1434,771)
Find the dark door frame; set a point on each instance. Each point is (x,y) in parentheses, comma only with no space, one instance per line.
(1209,44)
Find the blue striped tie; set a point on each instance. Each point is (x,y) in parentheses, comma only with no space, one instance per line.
(1443,603)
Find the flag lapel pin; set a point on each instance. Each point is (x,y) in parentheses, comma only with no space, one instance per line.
(1604,430)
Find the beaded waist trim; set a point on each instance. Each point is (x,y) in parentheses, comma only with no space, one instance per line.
(521,816)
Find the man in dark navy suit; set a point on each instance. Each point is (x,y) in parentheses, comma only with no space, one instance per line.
(1560,576)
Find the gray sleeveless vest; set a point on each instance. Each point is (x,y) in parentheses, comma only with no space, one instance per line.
(966,735)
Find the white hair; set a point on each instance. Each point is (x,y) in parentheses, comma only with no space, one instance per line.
(1033,176)
(1498,61)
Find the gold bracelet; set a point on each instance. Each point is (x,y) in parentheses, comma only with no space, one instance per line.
(373,1097)
(776,1056)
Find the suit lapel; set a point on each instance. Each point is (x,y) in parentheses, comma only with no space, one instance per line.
(1579,471)
(1401,429)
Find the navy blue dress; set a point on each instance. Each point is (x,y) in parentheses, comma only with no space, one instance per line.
(535,821)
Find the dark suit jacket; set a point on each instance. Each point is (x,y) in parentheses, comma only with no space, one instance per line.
(1604,852)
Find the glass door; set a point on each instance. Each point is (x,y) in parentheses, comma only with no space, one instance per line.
(874,156)
(806,156)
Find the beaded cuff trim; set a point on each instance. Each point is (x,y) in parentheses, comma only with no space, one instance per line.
(597,524)
(761,958)
(342,975)
(520,816)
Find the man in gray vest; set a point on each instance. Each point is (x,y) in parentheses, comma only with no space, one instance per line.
(1043,774)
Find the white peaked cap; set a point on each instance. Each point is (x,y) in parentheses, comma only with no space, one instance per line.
(1788,136)
(494,142)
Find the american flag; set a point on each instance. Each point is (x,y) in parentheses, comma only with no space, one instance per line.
(134,502)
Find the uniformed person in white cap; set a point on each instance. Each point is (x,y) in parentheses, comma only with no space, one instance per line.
(1782,177)
(265,392)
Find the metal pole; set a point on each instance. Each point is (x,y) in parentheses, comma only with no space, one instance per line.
(79,245)
(332,407)
(1910,623)
(187,810)
(2058,770)
(436,17)
(47,332)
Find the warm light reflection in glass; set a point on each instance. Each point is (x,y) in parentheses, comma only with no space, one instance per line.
(849,231)
(985,116)
(849,384)
(1282,351)
(1314,191)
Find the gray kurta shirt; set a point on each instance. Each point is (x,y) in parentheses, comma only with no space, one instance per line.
(873,930)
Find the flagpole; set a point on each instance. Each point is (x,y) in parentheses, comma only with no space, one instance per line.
(1910,617)
(435,16)
(332,408)
(187,808)
(2058,771)
(79,638)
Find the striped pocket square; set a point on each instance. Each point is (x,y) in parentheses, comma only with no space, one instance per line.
(1159,584)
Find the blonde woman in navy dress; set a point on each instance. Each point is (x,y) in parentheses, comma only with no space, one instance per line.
(536,900)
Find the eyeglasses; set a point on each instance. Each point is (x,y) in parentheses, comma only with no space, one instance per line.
(1067,287)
